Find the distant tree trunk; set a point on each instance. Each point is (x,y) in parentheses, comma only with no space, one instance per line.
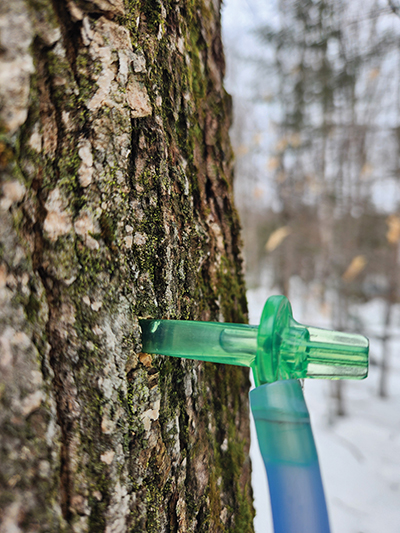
(116,203)
(340,316)
(384,364)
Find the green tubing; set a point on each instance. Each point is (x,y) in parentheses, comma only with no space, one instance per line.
(290,458)
(279,348)
(233,344)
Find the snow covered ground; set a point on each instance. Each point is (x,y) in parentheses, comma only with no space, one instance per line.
(360,453)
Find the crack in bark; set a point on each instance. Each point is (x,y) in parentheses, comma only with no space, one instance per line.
(52,291)
(62,416)
(71,34)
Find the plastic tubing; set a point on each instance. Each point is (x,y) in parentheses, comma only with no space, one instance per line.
(290,458)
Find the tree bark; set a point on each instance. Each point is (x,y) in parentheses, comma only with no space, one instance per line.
(116,204)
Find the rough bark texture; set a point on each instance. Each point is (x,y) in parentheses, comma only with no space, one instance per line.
(116,203)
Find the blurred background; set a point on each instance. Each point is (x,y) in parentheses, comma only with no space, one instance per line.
(316,134)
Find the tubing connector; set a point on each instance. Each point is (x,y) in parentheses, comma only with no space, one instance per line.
(279,348)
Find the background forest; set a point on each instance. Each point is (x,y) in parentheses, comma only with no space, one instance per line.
(316,92)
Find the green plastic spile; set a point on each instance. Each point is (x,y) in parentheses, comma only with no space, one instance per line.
(279,348)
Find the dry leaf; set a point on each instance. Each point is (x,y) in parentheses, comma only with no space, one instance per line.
(356,266)
(373,74)
(393,232)
(276,238)
(257,138)
(366,170)
(281,145)
(258,193)
(273,163)
(242,150)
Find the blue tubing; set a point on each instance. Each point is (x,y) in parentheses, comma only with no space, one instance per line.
(290,458)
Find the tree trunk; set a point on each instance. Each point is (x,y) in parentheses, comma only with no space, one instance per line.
(116,204)
(384,363)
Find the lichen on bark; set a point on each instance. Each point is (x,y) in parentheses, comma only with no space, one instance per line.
(116,176)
